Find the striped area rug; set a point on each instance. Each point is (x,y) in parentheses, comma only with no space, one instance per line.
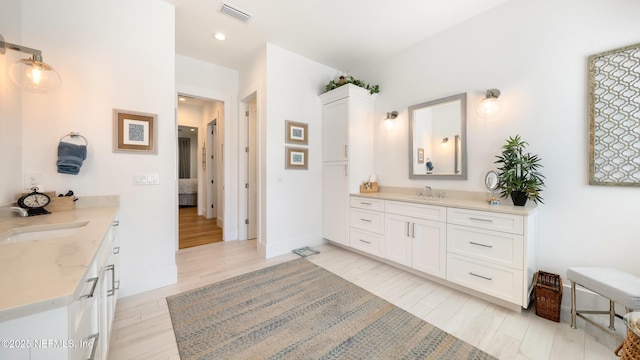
(297,310)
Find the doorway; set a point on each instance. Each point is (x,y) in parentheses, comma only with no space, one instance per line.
(198,171)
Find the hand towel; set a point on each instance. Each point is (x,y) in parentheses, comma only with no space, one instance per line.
(70,157)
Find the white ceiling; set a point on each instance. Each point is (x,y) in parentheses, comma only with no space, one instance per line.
(343,34)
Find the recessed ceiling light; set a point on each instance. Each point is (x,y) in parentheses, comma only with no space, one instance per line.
(219,36)
(182,99)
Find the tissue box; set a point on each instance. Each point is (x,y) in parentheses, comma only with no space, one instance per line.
(372,189)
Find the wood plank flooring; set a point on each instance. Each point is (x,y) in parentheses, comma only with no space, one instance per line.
(142,326)
(196,230)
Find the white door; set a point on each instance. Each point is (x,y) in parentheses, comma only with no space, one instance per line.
(252,171)
(210,161)
(335,202)
(429,248)
(397,240)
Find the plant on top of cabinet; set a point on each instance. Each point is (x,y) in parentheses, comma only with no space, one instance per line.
(519,175)
(348,79)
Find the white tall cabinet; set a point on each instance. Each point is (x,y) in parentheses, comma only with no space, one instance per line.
(347,154)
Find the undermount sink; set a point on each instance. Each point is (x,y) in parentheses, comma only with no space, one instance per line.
(424,198)
(41,232)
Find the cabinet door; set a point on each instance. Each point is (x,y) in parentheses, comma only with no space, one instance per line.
(335,125)
(397,242)
(429,252)
(335,203)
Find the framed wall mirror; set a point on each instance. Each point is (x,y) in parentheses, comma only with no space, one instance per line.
(614,117)
(438,139)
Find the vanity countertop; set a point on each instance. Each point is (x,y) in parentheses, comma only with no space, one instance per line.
(453,202)
(41,275)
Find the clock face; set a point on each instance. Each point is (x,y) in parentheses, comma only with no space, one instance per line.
(36,200)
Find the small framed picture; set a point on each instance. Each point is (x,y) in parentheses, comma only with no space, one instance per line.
(296,158)
(296,133)
(420,156)
(134,132)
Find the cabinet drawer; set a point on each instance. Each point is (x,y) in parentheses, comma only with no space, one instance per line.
(494,280)
(367,203)
(365,241)
(493,246)
(428,212)
(367,220)
(486,220)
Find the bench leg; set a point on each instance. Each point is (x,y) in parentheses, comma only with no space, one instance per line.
(573,304)
(612,314)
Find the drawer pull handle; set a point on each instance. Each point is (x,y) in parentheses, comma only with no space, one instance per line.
(480,276)
(116,223)
(366,242)
(480,219)
(478,244)
(408,229)
(116,250)
(365,220)
(365,203)
(94,344)
(413,230)
(93,288)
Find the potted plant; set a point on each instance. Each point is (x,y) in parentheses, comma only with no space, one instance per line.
(342,80)
(518,172)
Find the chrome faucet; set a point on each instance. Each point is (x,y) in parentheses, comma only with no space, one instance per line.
(19,210)
(428,190)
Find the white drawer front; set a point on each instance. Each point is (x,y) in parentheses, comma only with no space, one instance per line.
(428,212)
(486,220)
(494,280)
(367,203)
(493,246)
(367,220)
(366,241)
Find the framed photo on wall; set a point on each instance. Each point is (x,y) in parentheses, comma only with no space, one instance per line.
(296,158)
(135,132)
(296,133)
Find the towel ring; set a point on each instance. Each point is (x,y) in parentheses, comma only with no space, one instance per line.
(75,136)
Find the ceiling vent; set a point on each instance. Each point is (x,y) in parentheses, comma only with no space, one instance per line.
(238,14)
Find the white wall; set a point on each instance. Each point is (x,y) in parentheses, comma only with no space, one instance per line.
(209,81)
(10,106)
(113,54)
(536,53)
(293,197)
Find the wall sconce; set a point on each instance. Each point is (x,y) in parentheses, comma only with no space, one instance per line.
(490,105)
(388,121)
(31,74)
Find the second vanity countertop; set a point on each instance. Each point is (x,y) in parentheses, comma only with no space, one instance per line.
(41,275)
(454,202)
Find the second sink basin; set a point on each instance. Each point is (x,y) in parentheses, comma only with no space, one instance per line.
(41,232)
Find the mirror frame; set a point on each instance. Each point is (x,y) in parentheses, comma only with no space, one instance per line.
(463,138)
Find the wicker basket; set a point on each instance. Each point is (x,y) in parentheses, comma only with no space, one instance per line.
(630,347)
(548,290)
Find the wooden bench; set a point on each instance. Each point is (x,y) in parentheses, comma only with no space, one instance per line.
(617,286)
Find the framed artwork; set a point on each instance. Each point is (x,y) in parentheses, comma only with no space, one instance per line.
(296,133)
(134,132)
(420,156)
(614,117)
(296,158)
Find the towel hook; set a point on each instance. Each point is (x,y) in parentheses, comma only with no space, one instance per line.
(75,136)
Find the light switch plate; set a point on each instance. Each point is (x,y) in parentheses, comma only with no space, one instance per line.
(31,180)
(146,179)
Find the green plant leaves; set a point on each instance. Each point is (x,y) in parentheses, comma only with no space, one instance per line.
(519,171)
(373,89)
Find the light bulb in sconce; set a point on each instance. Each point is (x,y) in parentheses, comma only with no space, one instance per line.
(388,121)
(490,105)
(31,74)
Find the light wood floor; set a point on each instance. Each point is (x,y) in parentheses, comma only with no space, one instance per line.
(142,326)
(196,230)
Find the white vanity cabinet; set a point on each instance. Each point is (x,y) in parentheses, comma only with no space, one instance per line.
(79,330)
(347,133)
(489,250)
(493,253)
(367,225)
(416,236)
